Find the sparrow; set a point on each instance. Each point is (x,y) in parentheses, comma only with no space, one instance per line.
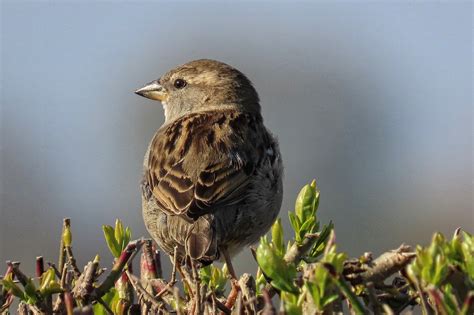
(212,173)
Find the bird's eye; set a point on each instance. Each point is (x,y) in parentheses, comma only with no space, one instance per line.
(179,83)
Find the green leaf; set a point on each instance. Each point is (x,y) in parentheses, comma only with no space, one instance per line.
(30,292)
(127,237)
(53,287)
(110,298)
(214,277)
(205,274)
(11,286)
(277,237)
(304,202)
(295,223)
(47,276)
(307,202)
(219,279)
(320,244)
(329,299)
(111,241)
(291,303)
(308,226)
(273,265)
(118,233)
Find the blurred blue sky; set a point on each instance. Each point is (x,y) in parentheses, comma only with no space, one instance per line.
(373,99)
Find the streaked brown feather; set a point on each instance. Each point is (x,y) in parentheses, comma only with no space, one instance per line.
(195,175)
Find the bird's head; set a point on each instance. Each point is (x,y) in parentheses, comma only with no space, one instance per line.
(202,85)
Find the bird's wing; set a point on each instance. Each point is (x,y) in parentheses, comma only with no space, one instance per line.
(204,161)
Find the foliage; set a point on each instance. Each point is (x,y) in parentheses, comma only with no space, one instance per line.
(307,272)
(117,238)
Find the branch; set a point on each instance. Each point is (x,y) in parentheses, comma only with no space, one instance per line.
(84,284)
(248,288)
(117,269)
(62,258)
(378,270)
(296,252)
(141,292)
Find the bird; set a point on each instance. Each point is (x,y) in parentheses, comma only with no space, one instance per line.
(212,173)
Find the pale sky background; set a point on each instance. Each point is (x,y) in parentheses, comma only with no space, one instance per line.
(374,100)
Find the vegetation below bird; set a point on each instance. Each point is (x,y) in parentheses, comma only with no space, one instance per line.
(307,273)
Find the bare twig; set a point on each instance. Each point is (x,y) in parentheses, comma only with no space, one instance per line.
(296,251)
(147,261)
(177,301)
(380,268)
(117,269)
(425,308)
(234,292)
(268,308)
(62,258)
(197,289)
(221,306)
(84,284)
(175,265)
(23,309)
(141,292)
(186,278)
(39,270)
(72,261)
(159,269)
(248,287)
(86,310)
(345,289)
(373,299)
(69,303)
(106,307)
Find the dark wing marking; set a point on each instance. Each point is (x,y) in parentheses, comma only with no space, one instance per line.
(204,161)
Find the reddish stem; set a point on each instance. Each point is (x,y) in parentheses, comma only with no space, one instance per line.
(39,266)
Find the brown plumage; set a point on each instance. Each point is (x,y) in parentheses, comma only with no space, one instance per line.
(212,172)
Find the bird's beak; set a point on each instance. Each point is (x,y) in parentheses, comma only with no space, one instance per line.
(154,91)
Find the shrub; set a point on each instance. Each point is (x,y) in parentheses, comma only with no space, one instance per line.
(307,273)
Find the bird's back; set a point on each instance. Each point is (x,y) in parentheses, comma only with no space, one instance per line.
(211,179)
